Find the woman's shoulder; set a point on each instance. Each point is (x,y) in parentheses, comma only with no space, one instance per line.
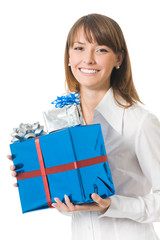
(137,110)
(141,116)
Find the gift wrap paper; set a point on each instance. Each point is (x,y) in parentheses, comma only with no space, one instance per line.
(78,146)
(59,118)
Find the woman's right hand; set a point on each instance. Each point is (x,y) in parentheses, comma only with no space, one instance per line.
(12,168)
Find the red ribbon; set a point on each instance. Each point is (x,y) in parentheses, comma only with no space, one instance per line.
(56,169)
(43,172)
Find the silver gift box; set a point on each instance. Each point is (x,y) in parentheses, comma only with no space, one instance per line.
(59,118)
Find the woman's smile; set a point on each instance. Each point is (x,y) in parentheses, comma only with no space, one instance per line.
(88,70)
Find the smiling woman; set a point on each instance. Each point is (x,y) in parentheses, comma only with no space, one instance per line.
(92,64)
(97,65)
(96,43)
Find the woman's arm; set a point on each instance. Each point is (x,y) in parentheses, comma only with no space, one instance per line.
(147,147)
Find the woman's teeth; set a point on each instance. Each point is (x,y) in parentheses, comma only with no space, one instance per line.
(88,70)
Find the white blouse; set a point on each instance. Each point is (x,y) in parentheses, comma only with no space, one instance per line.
(132,141)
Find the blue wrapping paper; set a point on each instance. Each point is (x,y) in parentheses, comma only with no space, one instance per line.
(62,147)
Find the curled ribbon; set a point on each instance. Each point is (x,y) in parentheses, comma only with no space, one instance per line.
(67,99)
(26,131)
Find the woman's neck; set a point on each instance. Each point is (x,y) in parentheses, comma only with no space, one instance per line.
(89,100)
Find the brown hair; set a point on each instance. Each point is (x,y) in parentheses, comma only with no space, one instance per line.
(105,31)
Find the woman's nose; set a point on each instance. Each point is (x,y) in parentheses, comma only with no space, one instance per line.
(89,58)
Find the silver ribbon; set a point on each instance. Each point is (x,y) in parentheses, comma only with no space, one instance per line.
(26,131)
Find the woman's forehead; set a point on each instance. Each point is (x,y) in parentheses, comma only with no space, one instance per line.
(81,35)
(92,35)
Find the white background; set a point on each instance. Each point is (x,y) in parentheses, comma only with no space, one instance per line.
(32,42)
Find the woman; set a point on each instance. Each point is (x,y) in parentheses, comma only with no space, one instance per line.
(97,66)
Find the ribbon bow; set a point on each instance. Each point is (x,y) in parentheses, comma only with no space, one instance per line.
(26,131)
(67,99)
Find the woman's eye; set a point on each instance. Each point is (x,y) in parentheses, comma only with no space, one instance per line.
(102,50)
(78,48)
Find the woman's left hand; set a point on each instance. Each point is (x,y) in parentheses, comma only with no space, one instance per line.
(99,204)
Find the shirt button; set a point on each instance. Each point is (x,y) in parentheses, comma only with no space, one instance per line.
(89,228)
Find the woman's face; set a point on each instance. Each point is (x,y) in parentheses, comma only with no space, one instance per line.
(92,64)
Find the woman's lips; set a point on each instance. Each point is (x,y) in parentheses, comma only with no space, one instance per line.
(89,71)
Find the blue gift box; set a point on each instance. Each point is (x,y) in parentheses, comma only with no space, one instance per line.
(74,163)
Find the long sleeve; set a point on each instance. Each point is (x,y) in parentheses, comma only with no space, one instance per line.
(146,208)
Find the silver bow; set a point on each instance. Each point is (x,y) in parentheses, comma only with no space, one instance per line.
(26,131)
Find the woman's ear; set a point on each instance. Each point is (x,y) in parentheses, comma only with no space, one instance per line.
(68,59)
(120,57)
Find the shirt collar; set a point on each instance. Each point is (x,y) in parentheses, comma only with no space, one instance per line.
(111,111)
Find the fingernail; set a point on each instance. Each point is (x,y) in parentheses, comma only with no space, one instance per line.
(94,195)
(12,167)
(15,184)
(13,174)
(55,199)
(54,205)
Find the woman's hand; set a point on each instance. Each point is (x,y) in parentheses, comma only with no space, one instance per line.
(12,168)
(99,204)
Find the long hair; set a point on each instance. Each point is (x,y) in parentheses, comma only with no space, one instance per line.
(105,31)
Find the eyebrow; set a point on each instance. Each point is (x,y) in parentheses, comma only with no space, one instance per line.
(79,43)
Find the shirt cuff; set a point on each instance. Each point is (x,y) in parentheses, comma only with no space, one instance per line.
(124,207)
